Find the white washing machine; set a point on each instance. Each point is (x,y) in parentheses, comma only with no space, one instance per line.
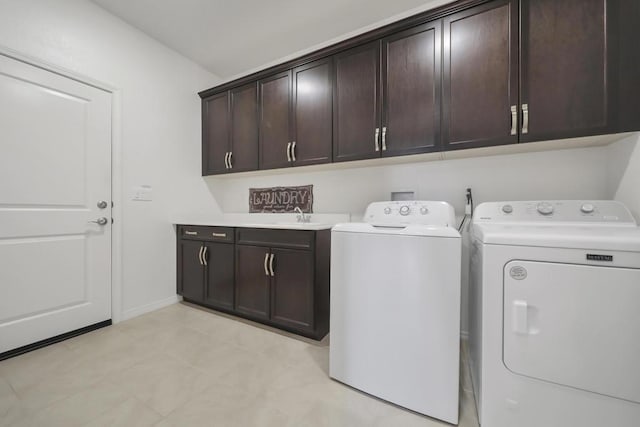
(395,306)
(554,299)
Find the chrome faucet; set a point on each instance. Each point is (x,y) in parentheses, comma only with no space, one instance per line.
(302,217)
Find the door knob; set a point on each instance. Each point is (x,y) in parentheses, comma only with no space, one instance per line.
(102,204)
(100,221)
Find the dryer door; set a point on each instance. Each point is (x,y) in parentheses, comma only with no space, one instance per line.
(574,325)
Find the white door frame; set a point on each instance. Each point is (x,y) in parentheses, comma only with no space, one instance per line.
(116,167)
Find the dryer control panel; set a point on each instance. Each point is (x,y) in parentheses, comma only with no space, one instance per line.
(555,211)
(401,213)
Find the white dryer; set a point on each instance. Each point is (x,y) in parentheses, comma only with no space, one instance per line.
(554,298)
(395,306)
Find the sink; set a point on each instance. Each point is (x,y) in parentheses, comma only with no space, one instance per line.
(300,224)
(291,225)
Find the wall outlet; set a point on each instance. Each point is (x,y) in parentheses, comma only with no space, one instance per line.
(403,195)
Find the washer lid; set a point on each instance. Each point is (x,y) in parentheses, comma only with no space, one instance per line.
(576,236)
(398,230)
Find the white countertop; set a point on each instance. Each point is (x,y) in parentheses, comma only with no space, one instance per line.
(264,220)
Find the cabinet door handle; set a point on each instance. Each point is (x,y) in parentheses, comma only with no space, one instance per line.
(384,138)
(204,255)
(230,159)
(219,234)
(293,151)
(376,137)
(525,118)
(289,152)
(514,119)
(226,160)
(271,264)
(266,260)
(200,255)
(191,233)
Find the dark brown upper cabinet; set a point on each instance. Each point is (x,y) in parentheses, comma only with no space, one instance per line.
(480,82)
(623,20)
(275,123)
(230,131)
(411,81)
(387,96)
(243,155)
(356,103)
(295,116)
(216,140)
(563,71)
(472,73)
(312,105)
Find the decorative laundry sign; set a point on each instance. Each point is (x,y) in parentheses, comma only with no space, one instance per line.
(281,199)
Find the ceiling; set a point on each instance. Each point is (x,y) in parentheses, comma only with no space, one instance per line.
(232,37)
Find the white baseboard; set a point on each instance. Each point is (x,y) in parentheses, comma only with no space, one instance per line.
(134,312)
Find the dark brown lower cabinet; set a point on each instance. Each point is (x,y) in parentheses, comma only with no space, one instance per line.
(252,281)
(206,265)
(190,270)
(292,287)
(277,277)
(218,288)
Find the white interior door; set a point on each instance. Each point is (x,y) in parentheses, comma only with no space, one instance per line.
(55,166)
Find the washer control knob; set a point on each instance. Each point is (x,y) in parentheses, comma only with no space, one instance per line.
(387,210)
(404,210)
(587,208)
(424,210)
(545,208)
(507,209)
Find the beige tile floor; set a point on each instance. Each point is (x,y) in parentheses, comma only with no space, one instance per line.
(185,366)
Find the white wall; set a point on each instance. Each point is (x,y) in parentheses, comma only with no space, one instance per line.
(562,174)
(624,173)
(157,126)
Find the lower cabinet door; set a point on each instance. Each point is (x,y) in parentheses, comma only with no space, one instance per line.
(292,288)
(218,286)
(191,270)
(252,280)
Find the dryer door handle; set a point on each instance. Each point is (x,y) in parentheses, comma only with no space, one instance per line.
(520,317)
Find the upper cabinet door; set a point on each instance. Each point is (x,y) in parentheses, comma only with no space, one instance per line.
(411,74)
(312,113)
(356,112)
(244,128)
(215,133)
(480,93)
(623,18)
(275,126)
(563,68)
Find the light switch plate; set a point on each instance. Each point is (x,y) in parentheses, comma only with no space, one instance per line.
(142,193)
